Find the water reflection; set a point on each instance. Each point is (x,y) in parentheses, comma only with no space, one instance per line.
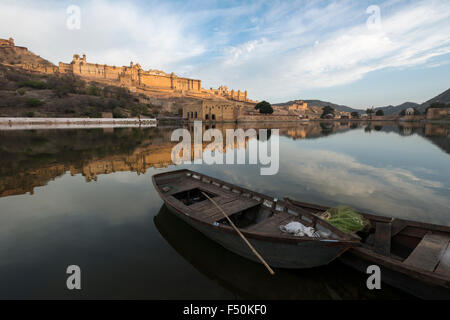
(340,169)
(93,204)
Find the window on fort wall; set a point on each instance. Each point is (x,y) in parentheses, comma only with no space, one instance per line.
(213,117)
(195,115)
(207,117)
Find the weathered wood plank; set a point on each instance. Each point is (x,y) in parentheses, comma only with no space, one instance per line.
(444,264)
(230,208)
(397,227)
(428,252)
(382,243)
(206,204)
(176,187)
(210,209)
(270,223)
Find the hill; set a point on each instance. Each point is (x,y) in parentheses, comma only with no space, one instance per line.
(20,55)
(392,110)
(320,104)
(28,94)
(444,97)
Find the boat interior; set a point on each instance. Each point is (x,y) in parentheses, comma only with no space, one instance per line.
(413,244)
(250,211)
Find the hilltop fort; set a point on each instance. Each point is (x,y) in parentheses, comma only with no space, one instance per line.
(133,77)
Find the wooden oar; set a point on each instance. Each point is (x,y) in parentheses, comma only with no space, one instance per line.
(241,235)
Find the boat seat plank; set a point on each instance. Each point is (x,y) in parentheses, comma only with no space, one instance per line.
(229,208)
(187,184)
(398,226)
(271,223)
(428,252)
(444,265)
(382,241)
(180,186)
(206,204)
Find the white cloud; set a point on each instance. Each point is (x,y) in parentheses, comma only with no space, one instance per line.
(274,50)
(283,64)
(111,32)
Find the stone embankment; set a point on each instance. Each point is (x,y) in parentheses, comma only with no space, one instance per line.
(69,123)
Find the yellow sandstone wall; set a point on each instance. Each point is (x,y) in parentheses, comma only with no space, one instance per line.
(134,77)
(438,113)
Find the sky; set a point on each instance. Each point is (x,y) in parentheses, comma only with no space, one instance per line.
(356,53)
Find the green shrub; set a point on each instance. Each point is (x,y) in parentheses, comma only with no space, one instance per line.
(94,90)
(29,114)
(21,92)
(33,102)
(35,84)
(91,112)
(117,113)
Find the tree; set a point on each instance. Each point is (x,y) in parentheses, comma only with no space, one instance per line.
(355,115)
(264,107)
(327,110)
(369,112)
(138,110)
(379,113)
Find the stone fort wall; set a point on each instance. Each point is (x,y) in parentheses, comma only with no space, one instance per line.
(132,76)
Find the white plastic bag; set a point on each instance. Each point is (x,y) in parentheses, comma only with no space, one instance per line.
(299,230)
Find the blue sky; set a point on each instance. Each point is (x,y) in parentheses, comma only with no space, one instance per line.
(337,51)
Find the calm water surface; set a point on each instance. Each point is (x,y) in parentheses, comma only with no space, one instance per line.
(85,197)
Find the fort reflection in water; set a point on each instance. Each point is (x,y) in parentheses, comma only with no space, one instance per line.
(32,158)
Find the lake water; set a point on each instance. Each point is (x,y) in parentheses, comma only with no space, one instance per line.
(85,197)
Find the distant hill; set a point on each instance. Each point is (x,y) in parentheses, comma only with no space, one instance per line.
(391,110)
(444,97)
(321,104)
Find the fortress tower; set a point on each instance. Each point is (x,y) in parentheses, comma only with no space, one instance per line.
(7,43)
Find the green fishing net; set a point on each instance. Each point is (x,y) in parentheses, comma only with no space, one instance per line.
(346,219)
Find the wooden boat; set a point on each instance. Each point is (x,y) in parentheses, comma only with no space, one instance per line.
(257,216)
(244,279)
(413,256)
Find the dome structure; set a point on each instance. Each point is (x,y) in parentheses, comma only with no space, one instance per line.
(409,112)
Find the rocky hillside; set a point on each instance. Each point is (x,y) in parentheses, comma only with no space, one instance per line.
(26,94)
(392,110)
(444,97)
(20,55)
(319,104)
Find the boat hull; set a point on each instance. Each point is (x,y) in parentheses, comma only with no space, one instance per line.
(359,260)
(300,255)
